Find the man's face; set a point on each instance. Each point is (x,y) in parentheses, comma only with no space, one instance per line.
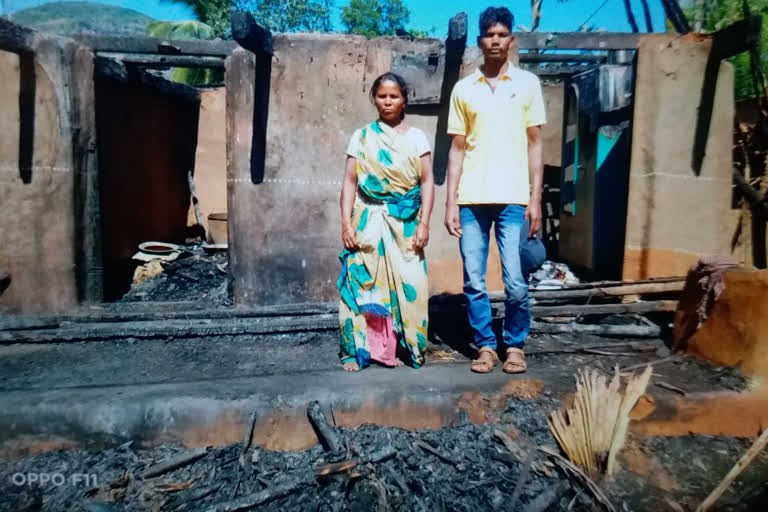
(495,42)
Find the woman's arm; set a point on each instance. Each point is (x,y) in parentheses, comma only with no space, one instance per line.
(348,191)
(421,237)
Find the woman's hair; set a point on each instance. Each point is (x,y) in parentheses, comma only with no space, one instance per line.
(494,15)
(391,77)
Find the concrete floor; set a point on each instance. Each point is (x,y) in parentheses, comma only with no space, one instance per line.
(201,391)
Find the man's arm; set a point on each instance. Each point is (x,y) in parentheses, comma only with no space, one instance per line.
(455,165)
(536,172)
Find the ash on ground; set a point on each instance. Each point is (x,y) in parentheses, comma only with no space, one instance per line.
(196,276)
(460,467)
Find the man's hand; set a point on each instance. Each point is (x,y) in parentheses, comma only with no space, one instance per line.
(452,221)
(348,237)
(533,214)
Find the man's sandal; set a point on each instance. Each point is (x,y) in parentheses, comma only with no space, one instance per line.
(483,364)
(516,365)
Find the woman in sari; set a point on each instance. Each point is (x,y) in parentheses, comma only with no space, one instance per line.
(386,202)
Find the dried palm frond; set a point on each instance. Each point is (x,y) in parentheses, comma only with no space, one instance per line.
(594,430)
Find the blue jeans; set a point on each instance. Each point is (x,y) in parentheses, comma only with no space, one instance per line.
(476,223)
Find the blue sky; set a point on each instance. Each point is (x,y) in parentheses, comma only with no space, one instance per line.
(425,14)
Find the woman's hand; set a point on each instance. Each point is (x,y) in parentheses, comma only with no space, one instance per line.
(421,236)
(348,237)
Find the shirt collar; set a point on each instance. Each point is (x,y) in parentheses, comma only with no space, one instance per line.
(478,75)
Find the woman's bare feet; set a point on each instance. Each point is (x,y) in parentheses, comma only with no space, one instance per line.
(351,366)
(398,362)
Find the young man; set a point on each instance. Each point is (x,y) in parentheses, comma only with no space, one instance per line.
(495,176)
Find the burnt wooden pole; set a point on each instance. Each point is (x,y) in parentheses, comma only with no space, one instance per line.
(454,54)
(258,40)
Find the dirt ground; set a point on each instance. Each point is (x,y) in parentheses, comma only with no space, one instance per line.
(462,468)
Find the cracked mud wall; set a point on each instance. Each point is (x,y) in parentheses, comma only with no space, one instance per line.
(46,128)
(674,216)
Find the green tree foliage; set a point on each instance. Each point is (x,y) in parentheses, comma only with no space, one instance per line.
(214,13)
(196,77)
(290,15)
(714,15)
(373,18)
(277,15)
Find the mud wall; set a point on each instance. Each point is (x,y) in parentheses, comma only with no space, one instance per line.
(673,215)
(46,142)
(211,155)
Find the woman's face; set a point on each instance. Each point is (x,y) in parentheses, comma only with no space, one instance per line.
(389,101)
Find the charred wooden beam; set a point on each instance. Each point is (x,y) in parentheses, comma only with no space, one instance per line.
(618,331)
(754,198)
(604,309)
(732,40)
(676,16)
(172,328)
(111,69)
(580,40)
(15,38)
(153,45)
(561,57)
(249,34)
(455,45)
(326,433)
(166,61)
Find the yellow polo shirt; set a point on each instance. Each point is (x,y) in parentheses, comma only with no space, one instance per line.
(494,123)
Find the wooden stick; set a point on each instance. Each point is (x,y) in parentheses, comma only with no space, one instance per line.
(175,463)
(735,471)
(604,309)
(641,365)
(198,495)
(437,453)
(248,434)
(671,387)
(547,498)
(380,455)
(614,291)
(327,435)
(632,346)
(635,331)
(259,498)
(568,467)
(522,480)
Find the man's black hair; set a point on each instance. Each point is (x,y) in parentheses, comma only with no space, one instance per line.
(494,15)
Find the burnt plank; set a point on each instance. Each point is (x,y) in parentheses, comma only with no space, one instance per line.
(111,69)
(15,38)
(130,44)
(730,41)
(249,34)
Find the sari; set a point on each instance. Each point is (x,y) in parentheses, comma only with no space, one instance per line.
(383,284)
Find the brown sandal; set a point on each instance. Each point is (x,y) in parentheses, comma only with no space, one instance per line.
(483,365)
(516,365)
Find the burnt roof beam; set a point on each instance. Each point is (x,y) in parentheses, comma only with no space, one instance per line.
(249,34)
(156,46)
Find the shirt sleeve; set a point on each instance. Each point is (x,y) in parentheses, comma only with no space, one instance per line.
(457,120)
(353,148)
(421,141)
(535,111)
